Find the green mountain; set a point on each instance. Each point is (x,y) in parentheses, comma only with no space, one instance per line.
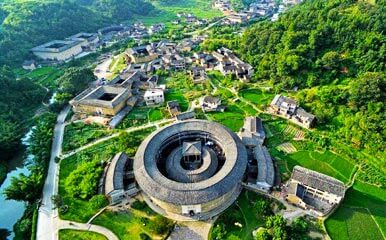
(335,53)
(25,24)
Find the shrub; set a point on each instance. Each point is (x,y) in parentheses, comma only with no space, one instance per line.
(98,201)
(144,236)
(160,225)
(139,205)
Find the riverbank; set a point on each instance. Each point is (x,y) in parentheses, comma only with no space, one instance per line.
(11,210)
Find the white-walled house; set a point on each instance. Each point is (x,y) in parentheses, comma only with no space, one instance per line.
(154,96)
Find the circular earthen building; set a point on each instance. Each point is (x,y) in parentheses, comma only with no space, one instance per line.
(191,170)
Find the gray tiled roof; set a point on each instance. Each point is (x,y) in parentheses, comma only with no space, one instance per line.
(115,173)
(318,181)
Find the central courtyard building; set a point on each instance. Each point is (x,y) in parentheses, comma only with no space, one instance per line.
(191,170)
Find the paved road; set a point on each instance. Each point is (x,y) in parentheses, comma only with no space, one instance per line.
(101,71)
(87,227)
(47,217)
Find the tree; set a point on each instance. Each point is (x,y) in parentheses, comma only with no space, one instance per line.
(278,225)
(75,80)
(83,181)
(57,201)
(25,188)
(368,88)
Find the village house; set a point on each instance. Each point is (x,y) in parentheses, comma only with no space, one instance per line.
(154,96)
(205,60)
(58,50)
(261,171)
(156,28)
(237,18)
(211,104)
(190,18)
(185,116)
(110,34)
(222,5)
(140,54)
(174,62)
(198,75)
(289,108)
(314,191)
(186,45)
(283,106)
(165,47)
(229,63)
(29,65)
(173,108)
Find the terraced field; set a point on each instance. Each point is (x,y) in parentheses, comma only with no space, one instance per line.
(361,216)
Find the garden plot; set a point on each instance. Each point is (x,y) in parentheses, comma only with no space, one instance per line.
(295,133)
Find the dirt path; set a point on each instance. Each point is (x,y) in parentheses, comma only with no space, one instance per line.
(87,227)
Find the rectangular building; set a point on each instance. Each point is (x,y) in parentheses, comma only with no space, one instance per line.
(58,50)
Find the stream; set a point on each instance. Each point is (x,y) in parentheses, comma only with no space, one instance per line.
(10,210)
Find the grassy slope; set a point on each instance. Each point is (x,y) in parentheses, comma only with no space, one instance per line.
(128,225)
(66,234)
(80,134)
(168,12)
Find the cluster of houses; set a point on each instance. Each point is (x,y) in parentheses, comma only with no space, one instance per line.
(223,60)
(258,8)
(189,19)
(81,44)
(289,108)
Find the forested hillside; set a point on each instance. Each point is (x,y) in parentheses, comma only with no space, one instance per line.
(17,100)
(335,53)
(25,24)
